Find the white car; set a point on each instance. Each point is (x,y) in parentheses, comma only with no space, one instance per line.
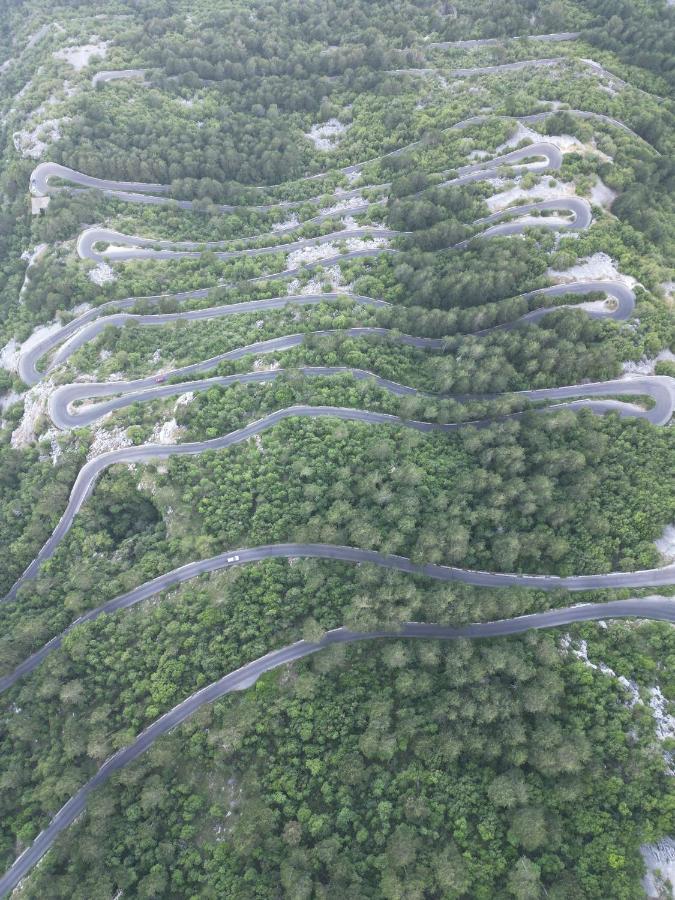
(233,559)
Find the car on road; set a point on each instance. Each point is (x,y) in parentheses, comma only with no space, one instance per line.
(233,559)
(160,379)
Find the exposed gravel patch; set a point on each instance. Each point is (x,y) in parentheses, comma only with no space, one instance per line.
(31,258)
(550,190)
(102,274)
(167,432)
(11,352)
(79,57)
(666,543)
(647,366)
(104,441)
(32,143)
(581,652)
(327,135)
(660,862)
(599,267)
(35,406)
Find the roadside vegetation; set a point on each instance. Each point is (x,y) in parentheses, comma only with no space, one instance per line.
(389,770)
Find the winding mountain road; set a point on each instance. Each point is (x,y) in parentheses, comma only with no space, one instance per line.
(592,396)
(334,552)
(540,156)
(623,296)
(64,415)
(578,207)
(655,607)
(144,192)
(87,326)
(127,247)
(660,389)
(139,192)
(527,119)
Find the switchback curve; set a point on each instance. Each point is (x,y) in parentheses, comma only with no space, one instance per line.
(127,247)
(85,327)
(661,389)
(127,392)
(578,207)
(140,192)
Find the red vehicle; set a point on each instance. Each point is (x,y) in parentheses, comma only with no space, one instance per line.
(160,379)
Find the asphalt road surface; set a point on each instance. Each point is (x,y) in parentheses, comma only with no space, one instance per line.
(579,209)
(65,415)
(578,206)
(117,75)
(482,70)
(529,119)
(85,327)
(593,396)
(353,555)
(140,192)
(124,247)
(660,389)
(649,607)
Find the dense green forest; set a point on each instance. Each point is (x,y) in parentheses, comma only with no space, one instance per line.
(522,767)
(394,771)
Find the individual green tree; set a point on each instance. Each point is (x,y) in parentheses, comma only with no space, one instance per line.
(524,881)
(528,827)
